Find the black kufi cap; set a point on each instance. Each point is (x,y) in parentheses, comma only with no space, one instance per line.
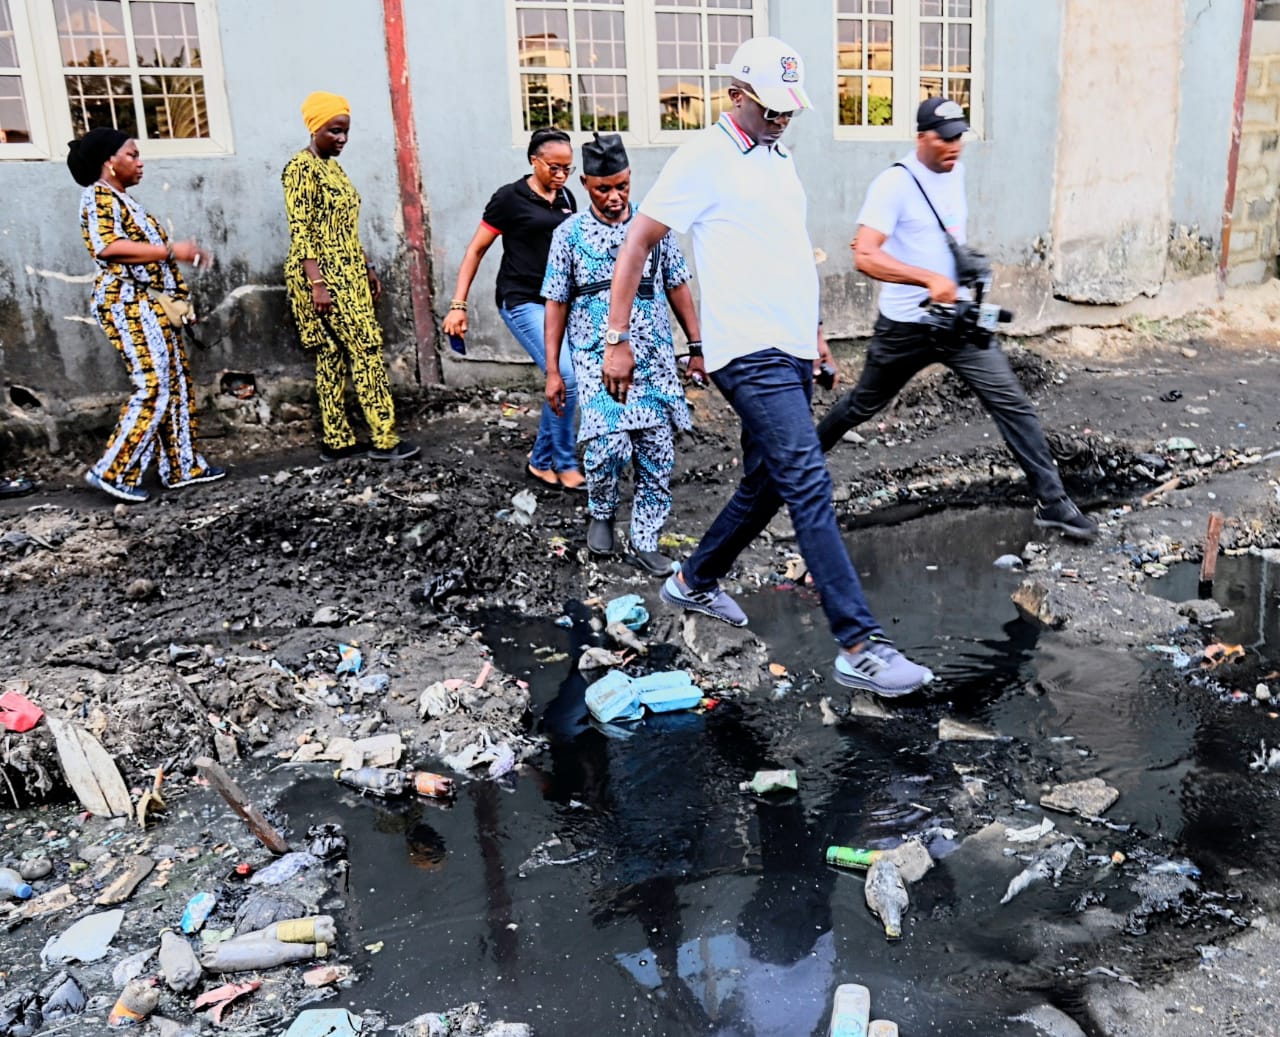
(604,156)
(85,155)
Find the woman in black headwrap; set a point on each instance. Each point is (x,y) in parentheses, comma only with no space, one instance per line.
(140,300)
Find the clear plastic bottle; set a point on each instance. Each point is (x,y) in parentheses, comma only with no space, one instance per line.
(249,955)
(381,781)
(886,895)
(312,929)
(13,885)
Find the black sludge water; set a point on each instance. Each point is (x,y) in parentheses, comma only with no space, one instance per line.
(621,884)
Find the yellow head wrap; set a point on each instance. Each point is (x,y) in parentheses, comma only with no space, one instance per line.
(320,107)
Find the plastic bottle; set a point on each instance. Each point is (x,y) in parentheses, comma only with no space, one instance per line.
(434,785)
(852,857)
(312,929)
(249,955)
(178,963)
(137,1001)
(770,781)
(378,780)
(13,886)
(886,895)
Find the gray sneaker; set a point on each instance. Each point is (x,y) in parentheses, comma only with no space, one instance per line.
(880,669)
(715,603)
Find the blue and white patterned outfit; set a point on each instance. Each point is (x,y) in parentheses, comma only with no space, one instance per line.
(583,253)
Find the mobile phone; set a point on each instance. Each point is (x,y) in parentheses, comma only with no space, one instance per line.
(826,376)
(458,344)
(697,379)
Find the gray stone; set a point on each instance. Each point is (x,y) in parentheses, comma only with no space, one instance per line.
(956,731)
(1052,1022)
(1204,611)
(326,616)
(1089,798)
(721,646)
(912,859)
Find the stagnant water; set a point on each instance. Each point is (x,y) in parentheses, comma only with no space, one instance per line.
(674,904)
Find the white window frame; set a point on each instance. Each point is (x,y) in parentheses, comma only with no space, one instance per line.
(640,25)
(51,105)
(38,145)
(906,71)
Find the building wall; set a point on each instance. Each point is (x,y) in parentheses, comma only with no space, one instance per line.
(1255,235)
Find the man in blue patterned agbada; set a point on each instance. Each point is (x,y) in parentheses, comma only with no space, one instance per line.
(641,431)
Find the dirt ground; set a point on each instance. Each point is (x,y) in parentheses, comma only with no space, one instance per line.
(208,622)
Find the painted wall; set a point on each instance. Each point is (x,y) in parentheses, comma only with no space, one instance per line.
(1255,218)
(1042,146)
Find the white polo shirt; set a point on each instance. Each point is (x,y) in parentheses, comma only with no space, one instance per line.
(895,207)
(745,208)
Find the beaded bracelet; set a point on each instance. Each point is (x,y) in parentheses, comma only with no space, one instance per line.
(458,304)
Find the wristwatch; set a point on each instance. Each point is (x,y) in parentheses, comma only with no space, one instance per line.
(612,338)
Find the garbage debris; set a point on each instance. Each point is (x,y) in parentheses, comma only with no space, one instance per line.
(628,610)
(1030,834)
(1214,655)
(378,781)
(199,907)
(1009,562)
(912,858)
(137,1001)
(35,868)
(770,781)
(667,691)
(525,504)
(1089,798)
(542,855)
(850,1011)
(262,829)
(882,1028)
(219,999)
(1049,863)
(252,955)
(886,896)
(265,907)
(136,869)
(325,1022)
(1175,867)
(61,998)
(1266,760)
(85,941)
(178,963)
(351,660)
(311,929)
(284,869)
(852,857)
(326,975)
(613,698)
(437,786)
(18,713)
(13,885)
(90,771)
(131,967)
(950,730)
(326,841)
(623,635)
(596,658)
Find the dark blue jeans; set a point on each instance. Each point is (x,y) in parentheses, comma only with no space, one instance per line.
(899,351)
(555,449)
(782,463)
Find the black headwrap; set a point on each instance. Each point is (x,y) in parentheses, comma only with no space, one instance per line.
(86,154)
(604,156)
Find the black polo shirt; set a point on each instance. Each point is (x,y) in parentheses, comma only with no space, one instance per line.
(526,221)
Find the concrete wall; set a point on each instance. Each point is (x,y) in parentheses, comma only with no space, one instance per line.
(1073,187)
(1255,236)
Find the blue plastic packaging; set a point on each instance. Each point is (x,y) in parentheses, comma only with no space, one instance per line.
(198,909)
(629,610)
(613,697)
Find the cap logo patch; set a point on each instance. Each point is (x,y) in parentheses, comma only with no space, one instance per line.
(949,110)
(790,69)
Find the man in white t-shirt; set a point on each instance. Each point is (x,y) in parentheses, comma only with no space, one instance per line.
(734,189)
(901,242)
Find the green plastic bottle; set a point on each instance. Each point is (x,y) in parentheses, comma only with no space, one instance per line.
(852,857)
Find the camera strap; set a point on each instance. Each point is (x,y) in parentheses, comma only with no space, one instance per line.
(951,241)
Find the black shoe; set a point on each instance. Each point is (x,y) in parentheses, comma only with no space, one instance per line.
(654,562)
(18,487)
(1064,515)
(400,452)
(600,536)
(330,454)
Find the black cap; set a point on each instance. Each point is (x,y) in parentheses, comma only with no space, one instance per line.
(604,156)
(943,116)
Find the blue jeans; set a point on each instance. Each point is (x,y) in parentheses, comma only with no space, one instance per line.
(782,463)
(555,447)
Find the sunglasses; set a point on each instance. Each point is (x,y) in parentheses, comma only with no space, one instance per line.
(770,114)
(566,170)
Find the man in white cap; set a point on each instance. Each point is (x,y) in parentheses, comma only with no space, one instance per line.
(911,236)
(734,188)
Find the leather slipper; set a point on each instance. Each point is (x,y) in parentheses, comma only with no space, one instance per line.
(552,484)
(576,488)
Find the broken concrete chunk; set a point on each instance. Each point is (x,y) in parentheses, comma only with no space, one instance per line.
(326,616)
(957,731)
(868,708)
(1036,603)
(1089,798)
(912,859)
(1204,612)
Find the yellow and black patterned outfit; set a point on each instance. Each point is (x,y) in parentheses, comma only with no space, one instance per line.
(324,217)
(162,406)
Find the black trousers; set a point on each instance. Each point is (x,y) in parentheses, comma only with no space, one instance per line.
(899,351)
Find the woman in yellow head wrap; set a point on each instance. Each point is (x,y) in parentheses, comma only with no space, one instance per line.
(332,288)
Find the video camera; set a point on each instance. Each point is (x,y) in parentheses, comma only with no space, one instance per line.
(967,321)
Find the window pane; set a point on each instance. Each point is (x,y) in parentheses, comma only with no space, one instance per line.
(14,127)
(720,101)
(173,107)
(849,44)
(930,8)
(736,5)
(879,101)
(849,7)
(959,91)
(930,86)
(931,46)
(165,35)
(604,103)
(880,45)
(101,101)
(544,38)
(8,45)
(679,41)
(958,49)
(680,103)
(91,33)
(879,6)
(600,39)
(960,8)
(546,101)
(850,88)
(724,33)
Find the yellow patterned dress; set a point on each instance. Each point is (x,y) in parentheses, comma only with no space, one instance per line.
(323,209)
(158,420)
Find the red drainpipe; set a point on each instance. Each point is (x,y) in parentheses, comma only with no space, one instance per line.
(412,207)
(1233,156)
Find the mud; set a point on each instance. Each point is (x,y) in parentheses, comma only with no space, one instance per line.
(208,622)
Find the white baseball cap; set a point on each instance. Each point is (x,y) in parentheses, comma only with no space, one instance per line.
(773,70)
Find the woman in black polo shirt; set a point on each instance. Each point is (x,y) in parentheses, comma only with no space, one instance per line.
(525,214)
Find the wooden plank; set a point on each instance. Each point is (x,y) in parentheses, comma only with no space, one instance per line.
(104,767)
(76,767)
(1209,567)
(262,829)
(136,869)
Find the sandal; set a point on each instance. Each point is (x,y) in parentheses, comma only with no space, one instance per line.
(536,476)
(577,487)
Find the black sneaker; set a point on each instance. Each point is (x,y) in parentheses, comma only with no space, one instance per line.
(600,536)
(1064,515)
(654,562)
(330,454)
(400,452)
